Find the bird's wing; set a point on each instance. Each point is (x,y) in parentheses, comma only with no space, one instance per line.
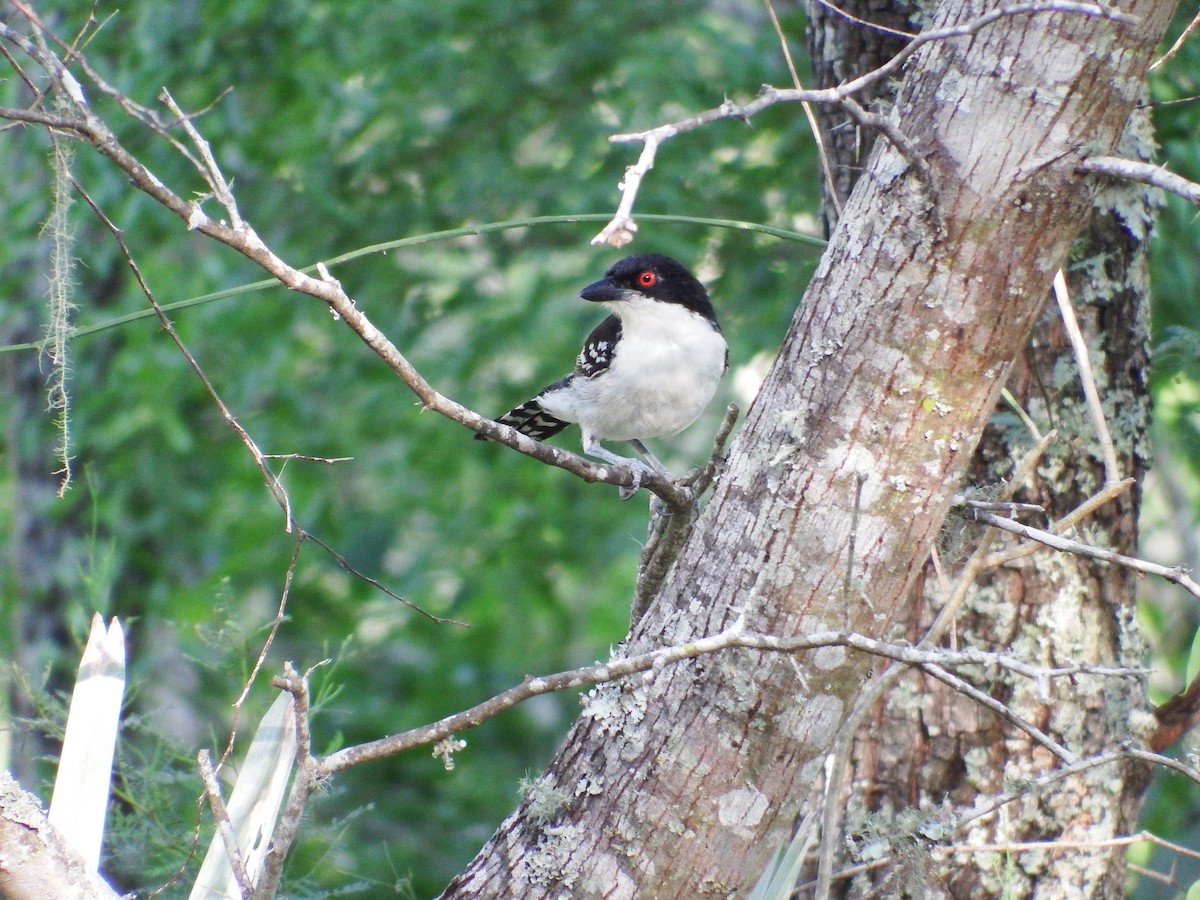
(597,353)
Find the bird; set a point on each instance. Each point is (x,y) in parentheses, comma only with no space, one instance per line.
(647,371)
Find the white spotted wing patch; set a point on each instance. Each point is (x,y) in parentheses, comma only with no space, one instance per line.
(597,353)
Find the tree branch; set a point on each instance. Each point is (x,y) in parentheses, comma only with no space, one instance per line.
(1112,470)
(1175,574)
(212,791)
(668,529)
(1146,173)
(307,779)
(241,237)
(732,638)
(621,228)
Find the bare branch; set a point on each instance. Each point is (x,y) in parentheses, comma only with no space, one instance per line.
(274,485)
(1175,574)
(375,583)
(1112,471)
(1179,42)
(212,791)
(273,482)
(883,29)
(1146,173)
(1059,845)
(991,807)
(280,610)
(822,154)
(1070,520)
(1002,710)
(890,130)
(732,638)
(209,168)
(979,559)
(621,228)
(1091,762)
(82,123)
(306,780)
(668,529)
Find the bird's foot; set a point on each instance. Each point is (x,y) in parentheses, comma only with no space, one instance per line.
(640,470)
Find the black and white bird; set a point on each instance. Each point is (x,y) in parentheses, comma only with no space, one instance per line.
(647,371)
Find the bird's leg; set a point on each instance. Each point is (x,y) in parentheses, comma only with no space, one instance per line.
(651,458)
(640,470)
(657,505)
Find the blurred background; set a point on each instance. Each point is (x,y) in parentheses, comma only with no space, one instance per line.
(343,125)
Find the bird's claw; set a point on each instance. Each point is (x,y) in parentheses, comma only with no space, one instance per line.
(626,492)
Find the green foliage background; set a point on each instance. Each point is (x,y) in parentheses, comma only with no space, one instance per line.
(345,125)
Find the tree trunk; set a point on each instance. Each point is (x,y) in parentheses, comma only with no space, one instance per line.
(926,748)
(923,748)
(686,784)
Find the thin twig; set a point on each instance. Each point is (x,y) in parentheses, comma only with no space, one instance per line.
(835,764)
(210,171)
(1146,173)
(1016,407)
(667,530)
(822,153)
(1003,711)
(274,484)
(883,29)
(890,130)
(860,478)
(266,647)
(212,791)
(1179,42)
(303,457)
(1053,846)
(1105,495)
(621,229)
(962,823)
(1174,574)
(306,780)
(1112,470)
(992,806)
(375,583)
(979,559)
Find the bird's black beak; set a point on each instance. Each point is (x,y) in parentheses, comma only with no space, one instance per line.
(603,291)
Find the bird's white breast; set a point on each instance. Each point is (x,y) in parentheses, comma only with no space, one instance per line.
(664,372)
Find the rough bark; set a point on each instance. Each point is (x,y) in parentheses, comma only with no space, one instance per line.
(929,750)
(925,749)
(685,784)
(35,862)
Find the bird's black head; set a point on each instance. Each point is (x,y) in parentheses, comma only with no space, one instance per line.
(651,275)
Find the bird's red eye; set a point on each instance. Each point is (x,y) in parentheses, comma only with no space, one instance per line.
(647,279)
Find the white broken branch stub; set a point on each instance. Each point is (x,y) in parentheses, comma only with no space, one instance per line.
(81,788)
